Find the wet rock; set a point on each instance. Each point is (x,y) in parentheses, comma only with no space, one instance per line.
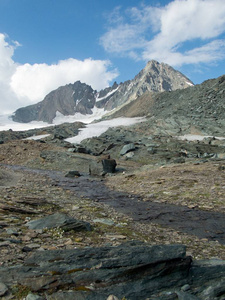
(61,221)
(127,148)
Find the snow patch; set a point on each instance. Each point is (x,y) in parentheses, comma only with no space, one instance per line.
(7,123)
(96,129)
(37,137)
(189,83)
(195,137)
(97,113)
(107,95)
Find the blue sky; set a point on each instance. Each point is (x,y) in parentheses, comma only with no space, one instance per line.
(48,43)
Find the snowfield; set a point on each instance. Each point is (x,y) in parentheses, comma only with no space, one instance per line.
(96,129)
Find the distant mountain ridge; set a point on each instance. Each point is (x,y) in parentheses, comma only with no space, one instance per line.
(81,98)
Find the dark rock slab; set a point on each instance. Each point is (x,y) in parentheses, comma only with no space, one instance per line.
(59,220)
(133,269)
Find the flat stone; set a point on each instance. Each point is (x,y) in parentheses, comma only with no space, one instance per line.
(104,221)
(59,220)
(12,231)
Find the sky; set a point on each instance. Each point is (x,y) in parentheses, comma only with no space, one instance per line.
(45,44)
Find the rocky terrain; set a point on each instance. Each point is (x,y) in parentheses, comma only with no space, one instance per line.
(136,213)
(164,192)
(197,109)
(81,98)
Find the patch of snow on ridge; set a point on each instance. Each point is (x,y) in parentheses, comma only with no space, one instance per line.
(107,95)
(96,129)
(97,113)
(191,84)
(37,137)
(195,137)
(7,123)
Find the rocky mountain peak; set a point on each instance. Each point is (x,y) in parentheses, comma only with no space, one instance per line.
(81,98)
(160,77)
(155,77)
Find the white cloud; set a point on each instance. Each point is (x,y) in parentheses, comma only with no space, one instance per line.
(21,85)
(35,81)
(171,33)
(7,68)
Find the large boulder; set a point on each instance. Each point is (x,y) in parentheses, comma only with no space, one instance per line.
(102,167)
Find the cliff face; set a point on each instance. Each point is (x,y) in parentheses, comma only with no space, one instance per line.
(80,97)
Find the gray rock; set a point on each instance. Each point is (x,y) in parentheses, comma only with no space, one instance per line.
(186,296)
(109,165)
(12,231)
(3,289)
(133,270)
(129,154)
(215,290)
(31,296)
(73,174)
(59,220)
(127,148)
(152,150)
(102,167)
(179,160)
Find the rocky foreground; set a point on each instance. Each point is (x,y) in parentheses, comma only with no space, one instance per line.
(148,224)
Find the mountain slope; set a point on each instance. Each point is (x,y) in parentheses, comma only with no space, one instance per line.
(201,106)
(81,98)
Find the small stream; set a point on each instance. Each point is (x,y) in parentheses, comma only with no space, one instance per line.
(203,224)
